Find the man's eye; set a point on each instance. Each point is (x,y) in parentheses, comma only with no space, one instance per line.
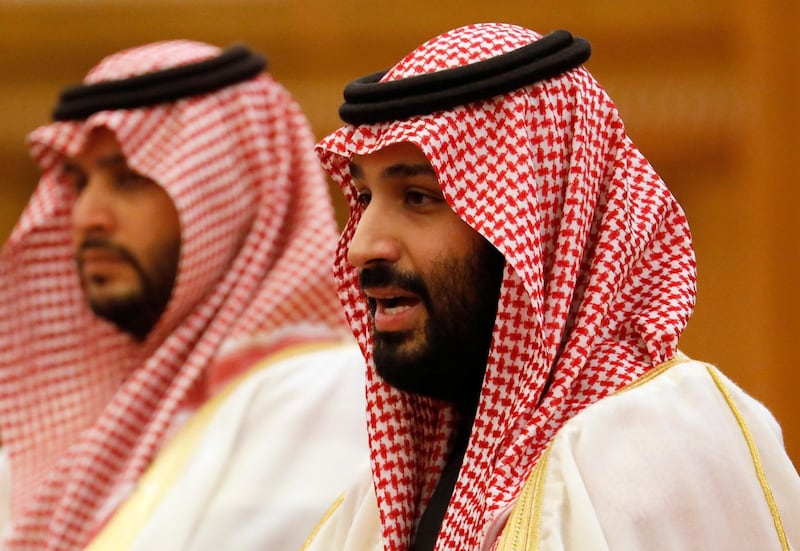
(79,184)
(418,198)
(415,197)
(363,198)
(75,179)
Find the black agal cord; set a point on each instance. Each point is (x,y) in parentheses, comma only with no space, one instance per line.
(234,64)
(368,101)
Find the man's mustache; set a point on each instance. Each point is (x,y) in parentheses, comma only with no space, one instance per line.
(99,243)
(384,275)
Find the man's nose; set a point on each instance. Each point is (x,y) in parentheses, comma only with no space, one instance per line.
(375,238)
(93,211)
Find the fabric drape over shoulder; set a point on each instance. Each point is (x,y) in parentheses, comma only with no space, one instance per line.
(84,408)
(599,281)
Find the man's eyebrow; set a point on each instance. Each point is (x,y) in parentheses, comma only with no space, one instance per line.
(399,170)
(408,169)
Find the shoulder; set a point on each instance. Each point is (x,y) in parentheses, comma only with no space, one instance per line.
(643,465)
(684,421)
(683,402)
(323,384)
(305,374)
(313,369)
(297,349)
(263,460)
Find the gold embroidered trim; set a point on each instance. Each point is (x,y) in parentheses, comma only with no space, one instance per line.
(762,477)
(521,532)
(328,514)
(655,372)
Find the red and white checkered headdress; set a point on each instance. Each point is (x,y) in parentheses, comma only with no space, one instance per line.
(599,282)
(84,408)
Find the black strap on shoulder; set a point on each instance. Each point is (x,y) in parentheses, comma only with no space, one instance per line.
(235,64)
(369,101)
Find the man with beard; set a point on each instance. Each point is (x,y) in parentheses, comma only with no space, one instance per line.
(518,276)
(175,372)
(127,281)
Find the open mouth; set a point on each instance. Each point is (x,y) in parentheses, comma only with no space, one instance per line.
(394,305)
(392,311)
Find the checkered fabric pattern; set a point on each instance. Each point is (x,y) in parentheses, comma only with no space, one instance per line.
(83,408)
(598,286)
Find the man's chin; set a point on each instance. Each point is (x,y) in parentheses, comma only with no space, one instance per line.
(104,300)
(108,297)
(130,314)
(397,347)
(398,360)
(429,368)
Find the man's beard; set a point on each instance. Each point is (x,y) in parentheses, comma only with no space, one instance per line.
(460,296)
(137,312)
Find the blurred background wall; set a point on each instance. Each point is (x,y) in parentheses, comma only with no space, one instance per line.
(708,89)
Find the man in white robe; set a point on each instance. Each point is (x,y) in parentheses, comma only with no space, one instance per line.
(175,371)
(518,277)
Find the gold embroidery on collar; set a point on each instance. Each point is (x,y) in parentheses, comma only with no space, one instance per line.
(521,532)
(655,372)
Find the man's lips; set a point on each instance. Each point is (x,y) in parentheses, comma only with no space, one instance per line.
(98,254)
(393,309)
(96,262)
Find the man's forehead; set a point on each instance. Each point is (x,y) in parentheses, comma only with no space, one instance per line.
(402,154)
(101,147)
